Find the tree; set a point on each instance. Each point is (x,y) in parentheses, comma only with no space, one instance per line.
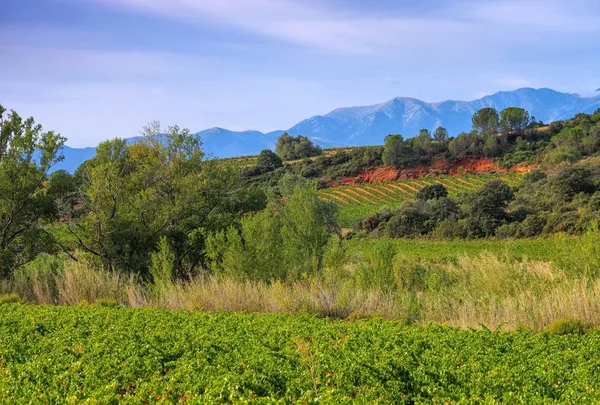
(268,161)
(423,143)
(134,194)
(487,208)
(432,192)
(514,119)
(306,225)
(26,156)
(441,135)
(290,148)
(486,120)
(395,151)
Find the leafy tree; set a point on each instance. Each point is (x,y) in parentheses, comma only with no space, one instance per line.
(432,192)
(395,151)
(486,120)
(487,208)
(572,181)
(441,135)
(291,148)
(268,161)
(162,186)
(514,119)
(424,143)
(307,224)
(26,155)
(407,223)
(254,252)
(62,188)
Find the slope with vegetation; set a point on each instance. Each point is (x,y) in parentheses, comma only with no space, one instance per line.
(155,224)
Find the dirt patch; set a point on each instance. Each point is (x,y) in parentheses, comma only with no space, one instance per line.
(436,168)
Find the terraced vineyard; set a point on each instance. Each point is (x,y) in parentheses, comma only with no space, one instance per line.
(357,201)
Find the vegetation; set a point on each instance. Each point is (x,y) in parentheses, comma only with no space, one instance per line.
(291,148)
(155,224)
(363,200)
(111,355)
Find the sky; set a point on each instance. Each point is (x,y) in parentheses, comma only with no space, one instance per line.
(99,69)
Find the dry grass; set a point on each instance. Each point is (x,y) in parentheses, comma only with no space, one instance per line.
(486,290)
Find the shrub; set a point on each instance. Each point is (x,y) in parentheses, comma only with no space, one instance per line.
(9,299)
(562,327)
(432,192)
(107,303)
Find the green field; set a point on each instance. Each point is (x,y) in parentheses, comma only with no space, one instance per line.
(360,200)
(100,355)
(553,248)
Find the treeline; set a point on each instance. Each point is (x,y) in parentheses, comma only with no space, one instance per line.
(510,136)
(160,210)
(567,201)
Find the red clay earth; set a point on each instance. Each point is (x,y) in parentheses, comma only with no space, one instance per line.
(438,167)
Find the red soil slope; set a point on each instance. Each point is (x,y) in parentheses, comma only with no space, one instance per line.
(438,167)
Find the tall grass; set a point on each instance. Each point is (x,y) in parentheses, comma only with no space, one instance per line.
(485,289)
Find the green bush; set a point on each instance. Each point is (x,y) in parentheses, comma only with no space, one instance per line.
(562,327)
(10,299)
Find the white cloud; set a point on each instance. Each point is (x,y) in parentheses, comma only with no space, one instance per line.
(311,23)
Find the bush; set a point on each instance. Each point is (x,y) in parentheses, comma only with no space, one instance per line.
(432,192)
(107,303)
(407,223)
(291,148)
(562,327)
(10,299)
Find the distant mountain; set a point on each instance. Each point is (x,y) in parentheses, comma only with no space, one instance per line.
(368,125)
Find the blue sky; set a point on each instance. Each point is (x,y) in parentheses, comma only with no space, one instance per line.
(97,69)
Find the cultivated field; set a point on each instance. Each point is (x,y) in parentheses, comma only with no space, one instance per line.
(96,354)
(358,201)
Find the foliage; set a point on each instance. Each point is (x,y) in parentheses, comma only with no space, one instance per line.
(159,187)
(395,151)
(486,121)
(109,355)
(562,327)
(291,148)
(286,240)
(26,156)
(432,192)
(514,119)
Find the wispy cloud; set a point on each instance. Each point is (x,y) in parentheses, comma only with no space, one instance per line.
(313,23)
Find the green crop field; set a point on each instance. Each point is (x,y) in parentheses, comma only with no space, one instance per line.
(360,200)
(100,355)
(553,248)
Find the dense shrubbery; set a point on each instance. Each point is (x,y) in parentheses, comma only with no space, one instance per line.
(567,201)
(292,148)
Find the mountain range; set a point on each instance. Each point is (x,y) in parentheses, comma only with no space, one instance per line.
(368,125)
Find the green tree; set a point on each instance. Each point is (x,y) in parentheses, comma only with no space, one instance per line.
(424,143)
(395,151)
(487,208)
(486,120)
(268,161)
(514,119)
(307,224)
(432,192)
(26,156)
(161,186)
(291,148)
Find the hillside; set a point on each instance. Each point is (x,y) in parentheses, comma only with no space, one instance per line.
(368,125)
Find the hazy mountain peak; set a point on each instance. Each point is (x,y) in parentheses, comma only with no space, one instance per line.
(368,125)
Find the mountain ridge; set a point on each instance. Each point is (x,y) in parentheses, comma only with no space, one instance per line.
(368,125)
